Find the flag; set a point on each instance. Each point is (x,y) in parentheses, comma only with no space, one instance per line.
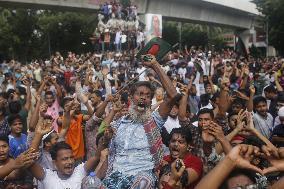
(157,47)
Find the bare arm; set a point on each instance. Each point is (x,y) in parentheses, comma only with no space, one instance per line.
(23,160)
(42,86)
(166,106)
(278,86)
(58,89)
(235,159)
(250,101)
(7,169)
(65,124)
(35,115)
(183,104)
(102,166)
(29,96)
(37,171)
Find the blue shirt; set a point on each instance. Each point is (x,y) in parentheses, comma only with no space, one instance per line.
(17,145)
(130,150)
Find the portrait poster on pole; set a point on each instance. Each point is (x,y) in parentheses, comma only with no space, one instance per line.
(153,26)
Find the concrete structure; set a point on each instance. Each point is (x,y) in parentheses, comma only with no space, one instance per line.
(232,13)
(238,14)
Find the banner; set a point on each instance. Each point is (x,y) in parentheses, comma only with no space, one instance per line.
(153,26)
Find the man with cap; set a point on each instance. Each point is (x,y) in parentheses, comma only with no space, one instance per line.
(278,132)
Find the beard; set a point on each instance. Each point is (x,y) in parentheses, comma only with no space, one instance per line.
(137,116)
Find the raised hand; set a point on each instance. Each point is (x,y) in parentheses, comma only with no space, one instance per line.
(53,80)
(241,116)
(241,95)
(252,90)
(216,130)
(109,132)
(43,109)
(26,82)
(109,98)
(38,98)
(26,159)
(151,60)
(250,125)
(176,174)
(276,163)
(68,106)
(241,155)
(44,126)
(104,154)
(184,89)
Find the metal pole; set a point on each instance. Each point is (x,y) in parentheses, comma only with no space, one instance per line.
(180,28)
(49,48)
(267,41)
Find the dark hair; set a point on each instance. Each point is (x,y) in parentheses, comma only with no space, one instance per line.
(14,117)
(239,101)
(237,172)
(57,147)
(15,107)
(280,98)
(270,89)
(98,93)
(49,93)
(204,100)
(4,138)
(184,132)
(66,100)
(48,138)
(258,99)
(206,111)
(140,84)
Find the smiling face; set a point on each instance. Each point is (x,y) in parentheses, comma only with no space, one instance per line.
(178,146)
(261,108)
(65,162)
(4,151)
(17,127)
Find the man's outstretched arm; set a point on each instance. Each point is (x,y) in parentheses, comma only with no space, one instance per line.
(167,105)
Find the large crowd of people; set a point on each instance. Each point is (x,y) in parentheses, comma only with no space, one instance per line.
(194,120)
(118,29)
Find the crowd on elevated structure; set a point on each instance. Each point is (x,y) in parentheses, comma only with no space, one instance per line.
(118,29)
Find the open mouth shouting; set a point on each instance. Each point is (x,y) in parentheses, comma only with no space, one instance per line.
(175,152)
(141,106)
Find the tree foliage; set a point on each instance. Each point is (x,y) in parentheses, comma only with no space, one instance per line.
(26,34)
(274,14)
(194,35)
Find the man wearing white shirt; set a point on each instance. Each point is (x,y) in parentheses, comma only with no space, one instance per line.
(139,70)
(66,174)
(118,40)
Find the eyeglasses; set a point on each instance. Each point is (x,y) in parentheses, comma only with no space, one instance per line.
(252,186)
